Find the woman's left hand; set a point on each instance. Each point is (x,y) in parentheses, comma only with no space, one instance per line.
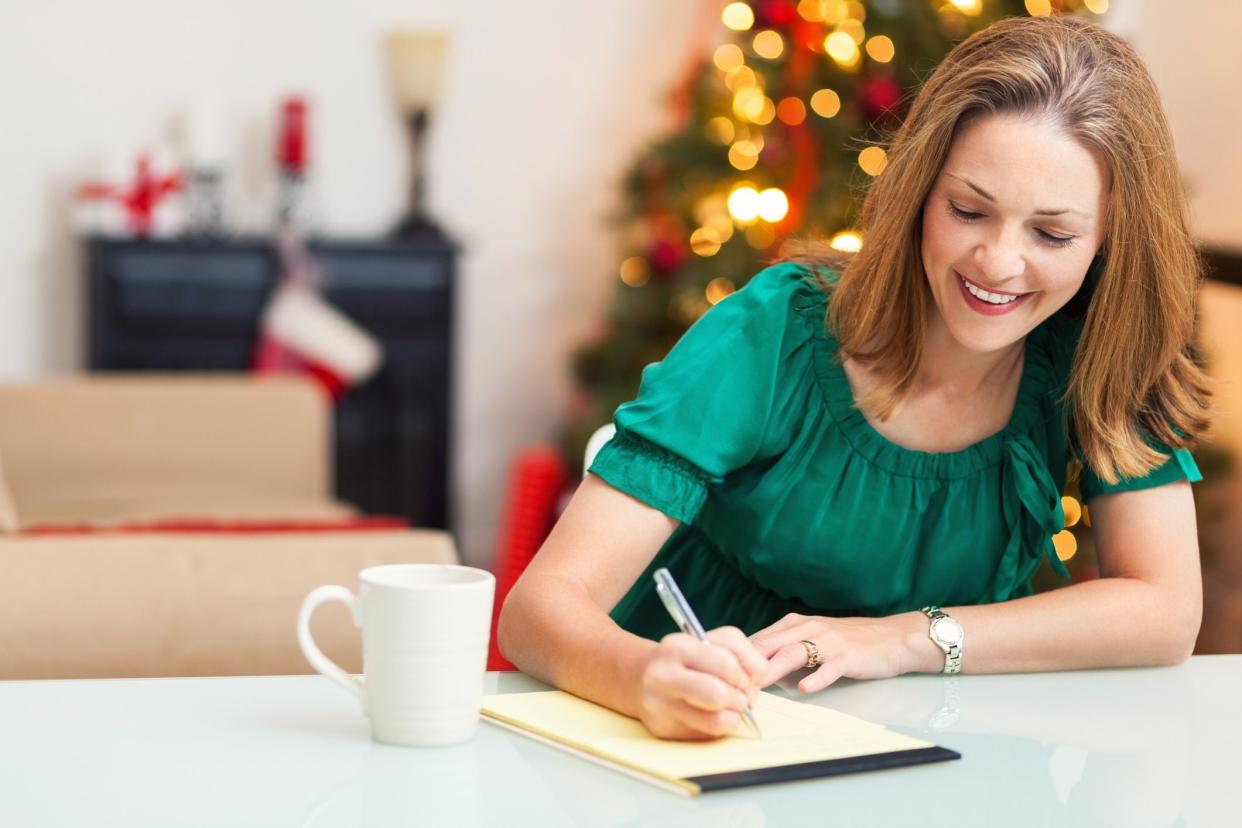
(860,648)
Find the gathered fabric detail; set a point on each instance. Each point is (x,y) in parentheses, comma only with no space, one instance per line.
(1031,505)
(653,474)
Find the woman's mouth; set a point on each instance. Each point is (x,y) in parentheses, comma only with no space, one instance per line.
(989,303)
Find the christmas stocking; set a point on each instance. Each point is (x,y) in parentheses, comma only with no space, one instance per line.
(301,331)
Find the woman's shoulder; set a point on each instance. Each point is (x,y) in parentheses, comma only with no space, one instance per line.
(784,290)
(793,276)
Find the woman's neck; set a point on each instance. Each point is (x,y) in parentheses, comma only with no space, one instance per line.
(947,368)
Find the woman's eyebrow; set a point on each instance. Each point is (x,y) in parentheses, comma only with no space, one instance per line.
(990,197)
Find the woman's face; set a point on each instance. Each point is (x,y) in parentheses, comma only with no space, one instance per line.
(1009,228)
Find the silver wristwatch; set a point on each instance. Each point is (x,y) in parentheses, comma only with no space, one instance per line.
(948,635)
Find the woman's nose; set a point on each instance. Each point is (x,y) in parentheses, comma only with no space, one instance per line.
(1001,256)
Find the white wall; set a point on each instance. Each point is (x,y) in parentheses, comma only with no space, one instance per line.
(545,104)
(1192,52)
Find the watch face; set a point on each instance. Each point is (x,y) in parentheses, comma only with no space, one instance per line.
(947,630)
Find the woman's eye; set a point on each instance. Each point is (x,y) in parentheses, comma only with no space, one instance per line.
(964,215)
(1048,238)
(1057,241)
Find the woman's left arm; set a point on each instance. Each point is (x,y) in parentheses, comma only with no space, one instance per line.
(1143,610)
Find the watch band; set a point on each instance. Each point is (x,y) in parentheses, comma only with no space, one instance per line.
(952,649)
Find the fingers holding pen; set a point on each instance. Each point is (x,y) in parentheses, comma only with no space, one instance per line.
(693,689)
(752,662)
(710,660)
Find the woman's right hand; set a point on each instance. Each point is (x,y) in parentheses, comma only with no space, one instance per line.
(694,690)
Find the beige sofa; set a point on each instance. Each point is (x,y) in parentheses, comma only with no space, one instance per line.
(96,578)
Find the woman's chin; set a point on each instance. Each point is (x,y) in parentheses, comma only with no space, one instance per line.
(981,342)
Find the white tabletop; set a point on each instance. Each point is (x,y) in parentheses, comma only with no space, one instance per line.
(1112,747)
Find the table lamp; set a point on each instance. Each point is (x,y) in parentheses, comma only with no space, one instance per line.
(416,59)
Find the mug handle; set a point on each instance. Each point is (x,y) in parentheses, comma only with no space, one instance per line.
(323,664)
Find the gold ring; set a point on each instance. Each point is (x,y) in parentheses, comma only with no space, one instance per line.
(812,654)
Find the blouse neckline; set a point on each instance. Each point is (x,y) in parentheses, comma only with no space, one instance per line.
(897,459)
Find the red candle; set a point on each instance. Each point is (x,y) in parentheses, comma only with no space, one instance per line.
(291,142)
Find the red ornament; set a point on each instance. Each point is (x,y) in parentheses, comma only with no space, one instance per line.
(777,14)
(879,97)
(666,257)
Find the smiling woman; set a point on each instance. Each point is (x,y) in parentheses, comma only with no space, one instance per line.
(1004,255)
(1029,134)
(855,465)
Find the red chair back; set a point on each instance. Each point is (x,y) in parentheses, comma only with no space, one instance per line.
(536,482)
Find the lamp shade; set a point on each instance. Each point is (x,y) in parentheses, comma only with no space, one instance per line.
(416,60)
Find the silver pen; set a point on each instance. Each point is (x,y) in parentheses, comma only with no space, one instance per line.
(685,618)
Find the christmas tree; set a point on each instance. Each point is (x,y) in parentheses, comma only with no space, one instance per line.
(776,134)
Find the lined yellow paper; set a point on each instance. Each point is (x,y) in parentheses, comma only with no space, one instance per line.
(793,733)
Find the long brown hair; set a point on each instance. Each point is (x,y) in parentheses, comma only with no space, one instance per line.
(1135,375)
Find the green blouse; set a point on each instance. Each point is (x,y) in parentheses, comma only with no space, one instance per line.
(789,501)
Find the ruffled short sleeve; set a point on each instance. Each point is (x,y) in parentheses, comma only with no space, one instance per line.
(707,409)
(1179,466)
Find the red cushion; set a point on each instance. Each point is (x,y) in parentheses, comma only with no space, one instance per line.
(205,526)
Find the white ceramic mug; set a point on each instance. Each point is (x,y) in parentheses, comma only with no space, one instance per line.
(424,649)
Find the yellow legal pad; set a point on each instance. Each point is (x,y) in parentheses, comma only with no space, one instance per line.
(800,741)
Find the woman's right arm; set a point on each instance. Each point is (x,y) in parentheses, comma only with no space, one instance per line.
(555,625)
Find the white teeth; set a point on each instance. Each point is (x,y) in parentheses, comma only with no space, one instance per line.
(990,298)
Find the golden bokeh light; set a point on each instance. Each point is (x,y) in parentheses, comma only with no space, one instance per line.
(834,11)
(1072,509)
(1038,8)
(880,48)
(721,130)
(767,111)
(842,48)
(826,103)
(743,155)
(718,288)
(760,236)
(635,271)
(773,204)
(791,111)
(722,224)
(748,103)
(847,241)
(705,242)
(768,44)
(744,204)
(970,8)
(729,58)
(812,10)
(1096,6)
(855,10)
(1066,544)
(854,29)
(742,78)
(709,206)
(738,17)
(873,160)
